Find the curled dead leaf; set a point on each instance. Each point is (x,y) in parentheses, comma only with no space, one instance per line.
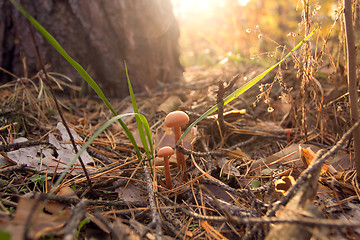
(307,156)
(284,184)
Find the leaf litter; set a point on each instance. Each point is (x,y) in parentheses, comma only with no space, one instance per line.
(238,173)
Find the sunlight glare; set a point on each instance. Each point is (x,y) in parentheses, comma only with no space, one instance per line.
(243,2)
(182,7)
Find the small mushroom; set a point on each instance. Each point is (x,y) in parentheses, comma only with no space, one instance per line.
(175,120)
(165,152)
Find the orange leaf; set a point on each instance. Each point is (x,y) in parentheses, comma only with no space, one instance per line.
(307,156)
(284,184)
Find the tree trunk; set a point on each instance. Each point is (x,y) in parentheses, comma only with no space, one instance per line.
(100,35)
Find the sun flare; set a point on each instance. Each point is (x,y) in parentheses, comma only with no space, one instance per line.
(183,7)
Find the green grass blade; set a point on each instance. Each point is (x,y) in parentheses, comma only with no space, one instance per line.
(243,88)
(139,122)
(148,132)
(78,68)
(92,138)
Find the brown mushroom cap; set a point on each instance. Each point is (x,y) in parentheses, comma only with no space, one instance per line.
(176,119)
(165,151)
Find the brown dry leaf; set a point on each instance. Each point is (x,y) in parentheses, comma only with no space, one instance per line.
(292,150)
(57,207)
(41,222)
(125,231)
(164,137)
(33,156)
(172,103)
(131,194)
(238,153)
(219,192)
(98,222)
(269,125)
(41,158)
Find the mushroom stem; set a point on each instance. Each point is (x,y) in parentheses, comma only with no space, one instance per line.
(180,159)
(165,152)
(167,173)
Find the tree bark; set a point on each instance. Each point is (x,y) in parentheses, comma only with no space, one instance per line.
(99,35)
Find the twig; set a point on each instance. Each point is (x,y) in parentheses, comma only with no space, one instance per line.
(352,82)
(99,156)
(25,168)
(155,215)
(113,234)
(220,100)
(78,214)
(218,205)
(74,201)
(16,146)
(172,223)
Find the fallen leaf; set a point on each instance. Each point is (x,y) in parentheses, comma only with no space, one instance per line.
(41,222)
(238,153)
(57,207)
(284,184)
(290,153)
(219,192)
(41,158)
(267,171)
(307,156)
(255,184)
(65,150)
(172,103)
(131,194)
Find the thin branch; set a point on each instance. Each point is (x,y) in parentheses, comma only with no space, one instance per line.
(78,214)
(155,215)
(352,83)
(16,146)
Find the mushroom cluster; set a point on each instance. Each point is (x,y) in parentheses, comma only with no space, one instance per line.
(175,120)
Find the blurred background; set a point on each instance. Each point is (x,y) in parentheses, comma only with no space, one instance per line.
(216,32)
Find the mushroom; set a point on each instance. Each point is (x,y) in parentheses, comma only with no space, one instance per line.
(165,152)
(175,120)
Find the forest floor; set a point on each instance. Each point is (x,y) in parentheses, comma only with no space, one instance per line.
(248,179)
